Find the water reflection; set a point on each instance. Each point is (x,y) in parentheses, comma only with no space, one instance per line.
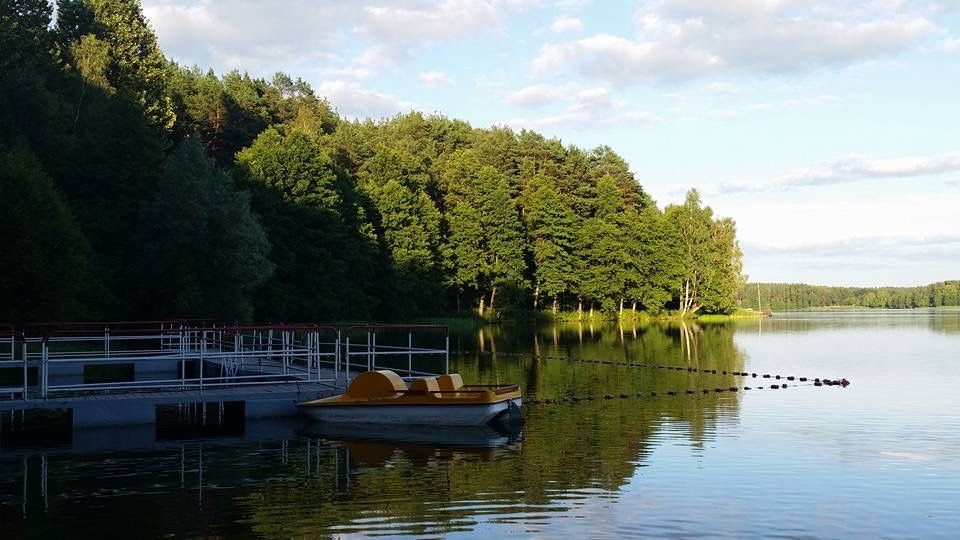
(688,465)
(280,480)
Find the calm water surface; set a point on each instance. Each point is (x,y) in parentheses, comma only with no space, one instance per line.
(879,459)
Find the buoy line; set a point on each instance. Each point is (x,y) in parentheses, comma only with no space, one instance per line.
(817,382)
(653,394)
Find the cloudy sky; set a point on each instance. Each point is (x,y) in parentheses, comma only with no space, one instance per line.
(829,130)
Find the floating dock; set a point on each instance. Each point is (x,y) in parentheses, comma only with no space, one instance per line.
(108,374)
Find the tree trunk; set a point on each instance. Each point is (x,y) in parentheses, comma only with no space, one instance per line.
(579,308)
(493,296)
(555,305)
(633,307)
(482,298)
(536,297)
(591,310)
(621,306)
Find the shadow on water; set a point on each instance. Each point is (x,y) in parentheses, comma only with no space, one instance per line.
(278,479)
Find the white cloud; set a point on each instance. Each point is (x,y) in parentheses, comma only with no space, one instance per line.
(952,45)
(434,79)
(260,37)
(875,237)
(883,246)
(899,260)
(436,21)
(722,88)
(852,169)
(352,101)
(570,6)
(684,39)
(539,95)
(566,24)
(351,72)
(589,108)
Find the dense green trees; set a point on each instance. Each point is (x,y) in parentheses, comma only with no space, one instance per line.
(205,252)
(791,296)
(169,191)
(45,252)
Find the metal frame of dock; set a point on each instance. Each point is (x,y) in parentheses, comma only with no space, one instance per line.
(270,367)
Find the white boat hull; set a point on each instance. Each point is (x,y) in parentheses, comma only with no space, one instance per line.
(476,414)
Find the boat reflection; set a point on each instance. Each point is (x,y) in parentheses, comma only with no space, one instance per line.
(377,444)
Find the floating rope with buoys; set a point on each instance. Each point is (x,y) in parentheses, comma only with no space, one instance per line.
(817,382)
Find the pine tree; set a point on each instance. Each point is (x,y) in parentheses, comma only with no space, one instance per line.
(551,232)
(137,65)
(500,220)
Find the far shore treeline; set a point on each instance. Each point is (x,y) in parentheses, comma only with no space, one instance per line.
(136,188)
(793,296)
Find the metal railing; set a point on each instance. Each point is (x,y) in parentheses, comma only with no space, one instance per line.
(369,349)
(9,364)
(83,358)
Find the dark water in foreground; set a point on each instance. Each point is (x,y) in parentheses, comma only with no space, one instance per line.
(880,458)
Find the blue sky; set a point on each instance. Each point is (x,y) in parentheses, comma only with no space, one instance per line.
(827,129)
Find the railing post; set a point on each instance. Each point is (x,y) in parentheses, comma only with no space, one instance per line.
(203,345)
(348,359)
(309,353)
(43,369)
(25,379)
(447,347)
(373,353)
(286,350)
(336,360)
(409,354)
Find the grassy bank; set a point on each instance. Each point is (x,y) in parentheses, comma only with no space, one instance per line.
(469,321)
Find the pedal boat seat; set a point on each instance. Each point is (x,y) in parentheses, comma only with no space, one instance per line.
(450,383)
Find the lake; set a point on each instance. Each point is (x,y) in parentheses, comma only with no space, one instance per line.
(877,459)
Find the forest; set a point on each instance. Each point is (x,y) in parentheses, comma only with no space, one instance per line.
(794,296)
(138,188)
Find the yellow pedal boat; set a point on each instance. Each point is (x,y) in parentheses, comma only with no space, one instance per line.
(382,397)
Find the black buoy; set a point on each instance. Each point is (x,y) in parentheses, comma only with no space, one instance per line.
(803,379)
(746,388)
(671,393)
(774,386)
(766,375)
(754,375)
(790,378)
(689,391)
(653,394)
(607,396)
(733,388)
(624,396)
(817,383)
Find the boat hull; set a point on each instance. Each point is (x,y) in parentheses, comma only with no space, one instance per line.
(467,414)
